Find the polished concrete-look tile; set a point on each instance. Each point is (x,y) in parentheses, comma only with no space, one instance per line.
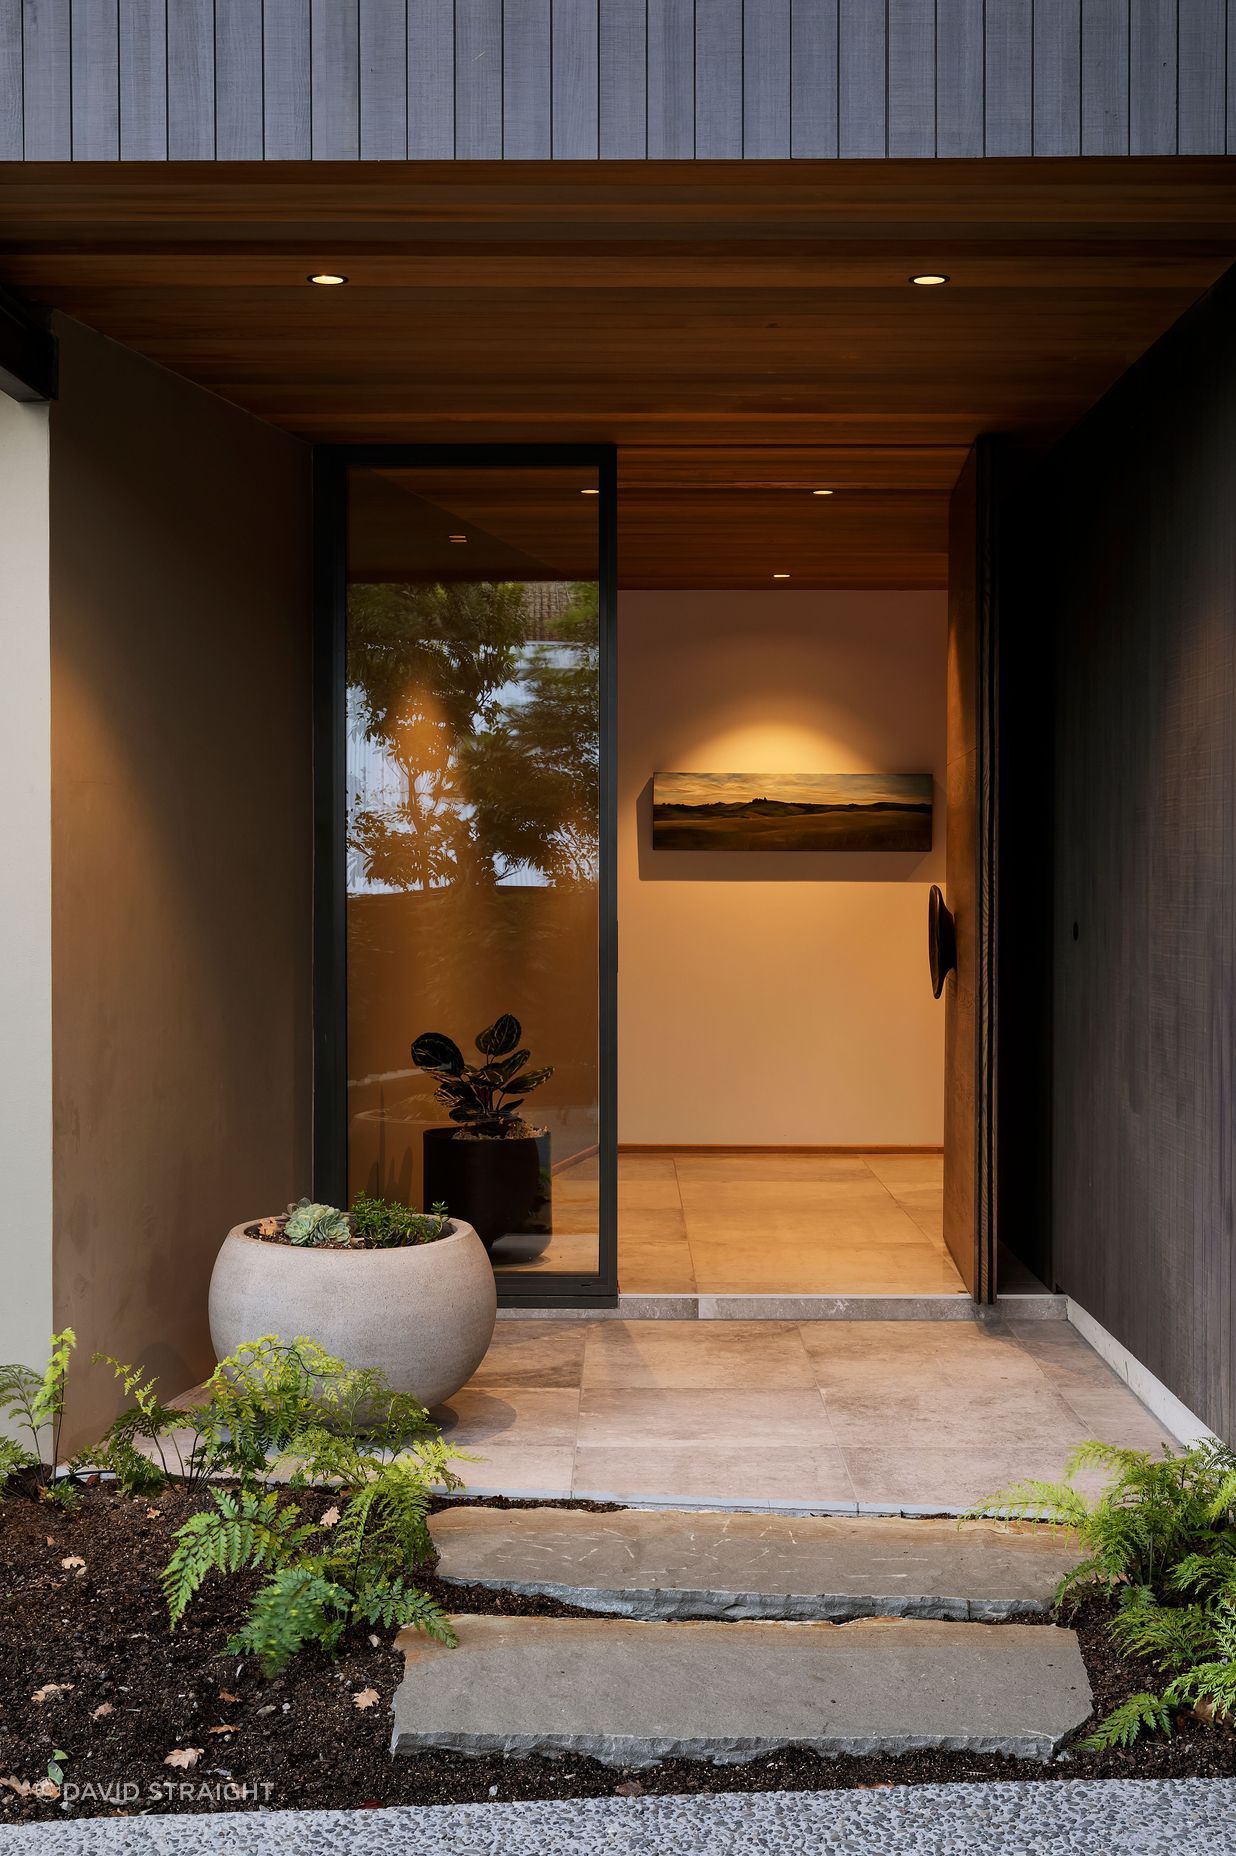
(913,1414)
(791,1223)
(696,1355)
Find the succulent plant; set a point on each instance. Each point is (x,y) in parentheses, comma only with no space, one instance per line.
(483,1098)
(309,1223)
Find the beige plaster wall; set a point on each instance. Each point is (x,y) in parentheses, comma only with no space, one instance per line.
(181,850)
(25,889)
(778,998)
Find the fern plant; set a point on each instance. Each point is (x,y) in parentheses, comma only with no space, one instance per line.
(1161,1542)
(319,1580)
(33,1402)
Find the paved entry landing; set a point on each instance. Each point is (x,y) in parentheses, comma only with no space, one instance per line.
(838,1416)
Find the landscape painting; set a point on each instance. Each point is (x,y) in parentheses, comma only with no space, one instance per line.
(791,811)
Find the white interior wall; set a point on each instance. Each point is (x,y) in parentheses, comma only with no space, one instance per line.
(778,998)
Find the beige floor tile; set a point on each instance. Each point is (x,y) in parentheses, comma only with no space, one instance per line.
(1114,1415)
(648,1195)
(513,1469)
(901,1170)
(911,1267)
(951,1478)
(703,1472)
(652,1224)
(808,1198)
(744,1422)
(870,1219)
(938,1410)
(646,1166)
(529,1417)
(695,1355)
(1063,1354)
(931,1224)
(876,1343)
(655,1266)
(789,1167)
(533,1353)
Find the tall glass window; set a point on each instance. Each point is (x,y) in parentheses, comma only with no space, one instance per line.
(473,768)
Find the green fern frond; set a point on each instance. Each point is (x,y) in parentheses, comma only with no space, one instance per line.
(13,1459)
(392,1602)
(242,1530)
(295,1606)
(1053,1502)
(1211,1682)
(1125,1723)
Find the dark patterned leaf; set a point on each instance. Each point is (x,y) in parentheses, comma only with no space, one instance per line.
(500,1037)
(531,1079)
(433,1050)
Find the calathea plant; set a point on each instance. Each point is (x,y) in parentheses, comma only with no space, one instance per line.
(484,1098)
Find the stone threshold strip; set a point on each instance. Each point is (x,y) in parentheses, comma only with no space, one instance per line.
(727,1639)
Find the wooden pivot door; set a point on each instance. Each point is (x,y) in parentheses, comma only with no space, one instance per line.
(971,873)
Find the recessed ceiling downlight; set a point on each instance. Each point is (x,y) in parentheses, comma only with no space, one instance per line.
(821,492)
(928,278)
(326,277)
(781,576)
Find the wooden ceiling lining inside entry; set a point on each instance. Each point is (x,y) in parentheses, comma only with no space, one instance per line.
(744,332)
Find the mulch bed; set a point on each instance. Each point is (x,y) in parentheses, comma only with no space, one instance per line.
(300,1741)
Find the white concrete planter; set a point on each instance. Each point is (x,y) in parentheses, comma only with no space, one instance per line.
(423,1313)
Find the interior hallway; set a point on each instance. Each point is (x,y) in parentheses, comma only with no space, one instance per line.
(793,1223)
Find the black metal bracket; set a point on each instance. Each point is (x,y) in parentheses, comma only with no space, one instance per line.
(941,940)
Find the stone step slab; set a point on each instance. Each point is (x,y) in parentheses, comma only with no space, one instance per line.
(668,1564)
(630,1693)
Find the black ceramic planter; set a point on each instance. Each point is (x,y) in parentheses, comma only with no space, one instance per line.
(501,1188)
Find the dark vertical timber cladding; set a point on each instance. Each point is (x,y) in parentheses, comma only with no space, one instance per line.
(912,78)
(622,56)
(959,80)
(766,81)
(1008,78)
(862,109)
(47,82)
(191,81)
(1231,77)
(1141,575)
(718,80)
(286,90)
(1057,77)
(1152,77)
(527,133)
(10,81)
(1104,77)
(431,80)
(478,80)
(574,101)
(671,80)
(238,80)
(1201,55)
(335,99)
(813,79)
(96,80)
(383,40)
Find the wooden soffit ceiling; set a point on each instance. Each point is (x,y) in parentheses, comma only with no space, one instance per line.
(744,332)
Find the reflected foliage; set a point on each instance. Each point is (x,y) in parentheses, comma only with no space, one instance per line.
(482,703)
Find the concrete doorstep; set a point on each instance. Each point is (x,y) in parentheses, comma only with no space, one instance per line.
(671,1564)
(631,1693)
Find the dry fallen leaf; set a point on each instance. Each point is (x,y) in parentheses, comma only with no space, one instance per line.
(368,1698)
(49,1689)
(225,1694)
(45,1788)
(51,1540)
(152,1514)
(226,1728)
(104,1707)
(329,1518)
(20,1786)
(74,1563)
(183,1756)
(374,1639)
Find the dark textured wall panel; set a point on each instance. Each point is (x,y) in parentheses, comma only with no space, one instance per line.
(572,80)
(1141,576)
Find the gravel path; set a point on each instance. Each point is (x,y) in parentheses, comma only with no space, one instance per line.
(1149,1817)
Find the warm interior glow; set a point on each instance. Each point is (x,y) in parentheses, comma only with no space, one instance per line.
(781,576)
(821,492)
(930,277)
(327,277)
(457,538)
(590,492)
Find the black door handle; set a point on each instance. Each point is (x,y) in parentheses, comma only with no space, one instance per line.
(941,940)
